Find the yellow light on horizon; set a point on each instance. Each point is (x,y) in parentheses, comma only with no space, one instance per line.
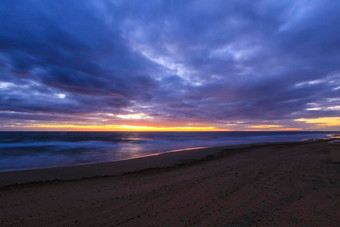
(271,128)
(266,126)
(275,129)
(322,121)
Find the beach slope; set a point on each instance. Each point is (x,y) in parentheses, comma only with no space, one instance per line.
(289,184)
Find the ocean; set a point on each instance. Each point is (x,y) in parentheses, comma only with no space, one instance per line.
(33,150)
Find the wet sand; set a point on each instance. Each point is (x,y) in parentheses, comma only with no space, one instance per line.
(288,184)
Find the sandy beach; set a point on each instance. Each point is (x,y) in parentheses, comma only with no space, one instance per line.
(287,184)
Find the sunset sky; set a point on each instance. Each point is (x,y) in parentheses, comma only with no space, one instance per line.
(170,65)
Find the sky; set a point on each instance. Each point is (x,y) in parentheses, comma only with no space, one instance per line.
(169,65)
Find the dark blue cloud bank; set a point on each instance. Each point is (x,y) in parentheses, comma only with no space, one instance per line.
(228,64)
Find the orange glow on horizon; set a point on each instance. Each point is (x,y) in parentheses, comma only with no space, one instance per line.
(71,127)
(121,128)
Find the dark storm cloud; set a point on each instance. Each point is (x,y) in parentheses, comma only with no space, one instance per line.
(195,61)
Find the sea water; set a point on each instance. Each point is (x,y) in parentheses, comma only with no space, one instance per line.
(32,150)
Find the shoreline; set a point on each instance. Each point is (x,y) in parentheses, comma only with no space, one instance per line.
(277,184)
(115,168)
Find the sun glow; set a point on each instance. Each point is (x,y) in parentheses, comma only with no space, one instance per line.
(61,96)
(136,116)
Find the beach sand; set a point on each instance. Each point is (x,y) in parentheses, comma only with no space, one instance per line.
(288,184)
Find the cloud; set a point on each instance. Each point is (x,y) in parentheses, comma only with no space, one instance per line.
(185,62)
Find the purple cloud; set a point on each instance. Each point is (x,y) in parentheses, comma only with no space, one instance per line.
(189,61)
